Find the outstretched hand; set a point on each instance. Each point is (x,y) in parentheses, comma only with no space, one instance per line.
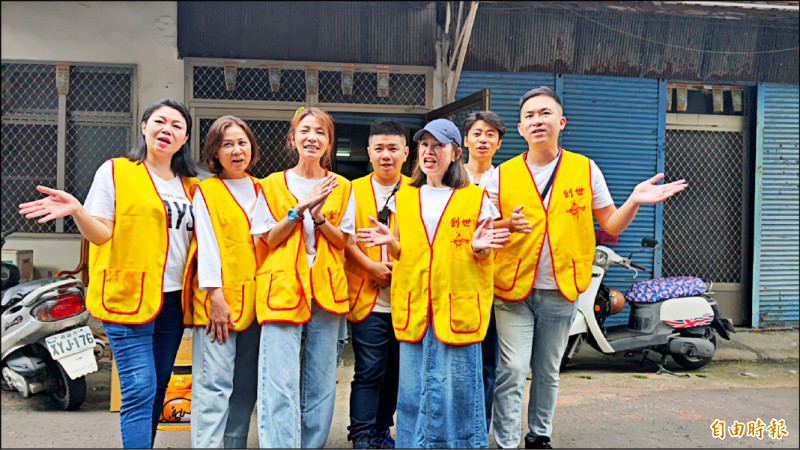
(484,238)
(57,204)
(378,235)
(647,192)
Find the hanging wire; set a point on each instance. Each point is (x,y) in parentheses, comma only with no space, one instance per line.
(700,50)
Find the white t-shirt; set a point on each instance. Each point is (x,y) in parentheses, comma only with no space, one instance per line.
(382,304)
(209,264)
(433,200)
(601,197)
(101,202)
(300,187)
(485,176)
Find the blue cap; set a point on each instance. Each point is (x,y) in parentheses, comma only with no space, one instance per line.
(442,130)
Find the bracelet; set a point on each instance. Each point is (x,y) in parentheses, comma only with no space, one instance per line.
(480,252)
(318,224)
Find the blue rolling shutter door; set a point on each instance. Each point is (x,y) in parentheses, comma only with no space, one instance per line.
(615,122)
(775,271)
(506,89)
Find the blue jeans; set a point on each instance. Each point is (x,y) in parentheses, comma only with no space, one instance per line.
(297,391)
(531,333)
(144,355)
(223,399)
(489,357)
(373,391)
(440,400)
(342,340)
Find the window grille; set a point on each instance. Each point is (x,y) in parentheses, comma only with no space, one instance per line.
(98,126)
(404,89)
(702,233)
(271,138)
(251,84)
(408,86)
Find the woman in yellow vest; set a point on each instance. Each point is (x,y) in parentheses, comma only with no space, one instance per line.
(138,217)
(304,218)
(220,294)
(441,294)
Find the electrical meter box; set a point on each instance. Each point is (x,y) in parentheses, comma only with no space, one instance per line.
(23,259)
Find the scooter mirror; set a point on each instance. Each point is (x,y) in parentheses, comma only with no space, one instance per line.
(649,243)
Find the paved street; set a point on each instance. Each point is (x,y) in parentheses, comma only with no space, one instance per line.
(603,402)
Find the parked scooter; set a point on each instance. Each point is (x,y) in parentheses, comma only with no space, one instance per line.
(671,316)
(46,346)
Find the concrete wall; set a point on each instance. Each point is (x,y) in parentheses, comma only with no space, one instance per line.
(141,33)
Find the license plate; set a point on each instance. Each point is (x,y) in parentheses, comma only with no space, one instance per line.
(70,342)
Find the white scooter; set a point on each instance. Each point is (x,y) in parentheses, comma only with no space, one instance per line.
(670,316)
(46,345)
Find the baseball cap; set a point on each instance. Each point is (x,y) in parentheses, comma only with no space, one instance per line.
(443,130)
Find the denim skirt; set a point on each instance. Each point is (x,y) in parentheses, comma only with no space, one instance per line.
(440,400)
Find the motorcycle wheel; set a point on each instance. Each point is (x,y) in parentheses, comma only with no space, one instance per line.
(66,393)
(695,362)
(574,340)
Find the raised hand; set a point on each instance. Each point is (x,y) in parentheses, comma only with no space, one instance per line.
(379,235)
(57,204)
(315,199)
(484,238)
(647,192)
(518,223)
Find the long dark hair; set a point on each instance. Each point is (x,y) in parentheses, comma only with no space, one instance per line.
(455,176)
(182,162)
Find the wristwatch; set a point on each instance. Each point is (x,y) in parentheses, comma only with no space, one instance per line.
(479,252)
(292,215)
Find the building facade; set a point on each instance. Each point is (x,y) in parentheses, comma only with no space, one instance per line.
(706,93)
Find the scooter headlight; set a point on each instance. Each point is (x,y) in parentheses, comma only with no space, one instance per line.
(600,258)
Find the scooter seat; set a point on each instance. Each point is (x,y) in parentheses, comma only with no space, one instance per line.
(13,295)
(658,289)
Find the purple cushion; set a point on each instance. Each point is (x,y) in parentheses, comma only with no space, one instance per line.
(650,291)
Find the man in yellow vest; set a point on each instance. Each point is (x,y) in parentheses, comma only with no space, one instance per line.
(373,394)
(547,197)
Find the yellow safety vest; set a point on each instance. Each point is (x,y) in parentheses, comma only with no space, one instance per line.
(567,221)
(237,254)
(362,295)
(284,284)
(127,271)
(444,277)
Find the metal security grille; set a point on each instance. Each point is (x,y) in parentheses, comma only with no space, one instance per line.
(98,122)
(271,138)
(29,139)
(404,89)
(251,84)
(408,86)
(99,117)
(702,233)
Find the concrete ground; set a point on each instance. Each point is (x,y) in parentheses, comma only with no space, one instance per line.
(603,402)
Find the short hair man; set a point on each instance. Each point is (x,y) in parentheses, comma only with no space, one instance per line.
(483,136)
(373,394)
(548,262)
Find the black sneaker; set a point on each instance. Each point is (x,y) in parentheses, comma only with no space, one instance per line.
(382,440)
(538,442)
(361,442)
